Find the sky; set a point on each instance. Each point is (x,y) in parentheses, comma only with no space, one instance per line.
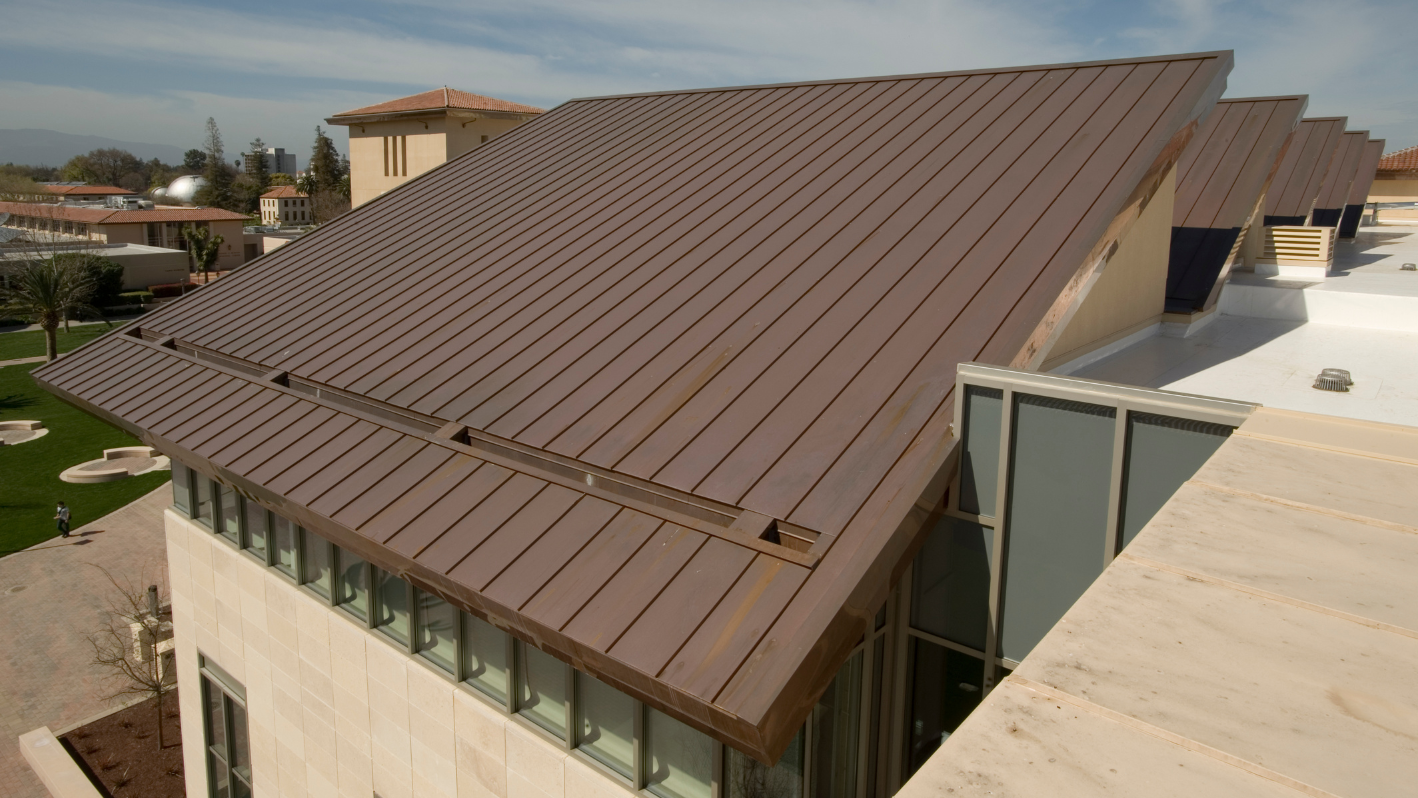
(153,71)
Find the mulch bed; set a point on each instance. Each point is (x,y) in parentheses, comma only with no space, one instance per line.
(120,752)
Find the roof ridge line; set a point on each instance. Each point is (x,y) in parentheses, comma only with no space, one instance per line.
(1181,741)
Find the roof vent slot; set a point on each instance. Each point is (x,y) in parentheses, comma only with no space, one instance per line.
(1337,380)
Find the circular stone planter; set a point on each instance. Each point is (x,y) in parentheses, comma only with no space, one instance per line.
(128,461)
(13,433)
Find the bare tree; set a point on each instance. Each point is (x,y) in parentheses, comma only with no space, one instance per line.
(128,645)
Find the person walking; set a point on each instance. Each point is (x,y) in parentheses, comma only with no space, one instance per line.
(61,516)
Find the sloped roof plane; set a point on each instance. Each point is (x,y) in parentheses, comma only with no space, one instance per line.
(437,99)
(1297,181)
(1222,175)
(1334,193)
(1400,163)
(1364,176)
(686,318)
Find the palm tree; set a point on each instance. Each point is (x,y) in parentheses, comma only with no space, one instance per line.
(307,184)
(203,246)
(47,292)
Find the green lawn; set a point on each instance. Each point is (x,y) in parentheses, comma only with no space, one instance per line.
(30,343)
(29,472)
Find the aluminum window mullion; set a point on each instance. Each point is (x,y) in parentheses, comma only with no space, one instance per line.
(997,540)
(1115,482)
(513,680)
(864,721)
(569,702)
(716,772)
(411,596)
(897,746)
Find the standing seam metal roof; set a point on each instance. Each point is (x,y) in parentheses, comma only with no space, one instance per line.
(1297,182)
(1344,167)
(1364,177)
(746,299)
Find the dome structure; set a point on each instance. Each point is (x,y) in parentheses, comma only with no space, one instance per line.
(160,193)
(184,189)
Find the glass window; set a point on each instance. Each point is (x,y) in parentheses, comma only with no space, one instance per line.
(1162,453)
(541,689)
(679,759)
(950,591)
(979,459)
(438,629)
(836,731)
(229,526)
(605,723)
(945,687)
(225,731)
(485,657)
(391,599)
(353,588)
(257,529)
(285,540)
(182,488)
(204,501)
(315,562)
(1061,469)
(746,777)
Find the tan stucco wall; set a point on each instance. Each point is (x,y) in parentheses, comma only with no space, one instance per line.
(1131,293)
(122,233)
(233,254)
(1394,191)
(152,268)
(466,134)
(427,148)
(332,709)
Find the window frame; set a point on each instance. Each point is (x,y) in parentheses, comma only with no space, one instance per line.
(232,692)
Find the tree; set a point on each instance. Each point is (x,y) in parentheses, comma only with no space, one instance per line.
(105,167)
(280,179)
(203,247)
(18,188)
(194,160)
(217,192)
(256,164)
(47,291)
(126,645)
(324,160)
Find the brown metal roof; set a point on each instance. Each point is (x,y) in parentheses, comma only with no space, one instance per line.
(1364,175)
(1297,182)
(1334,193)
(438,99)
(1221,177)
(44,210)
(734,306)
(1232,159)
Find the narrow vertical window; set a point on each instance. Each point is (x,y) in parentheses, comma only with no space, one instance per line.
(944,687)
(182,488)
(257,529)
(836,727)
(391,602)
(679,759)
(315,562)
(950,590)
(386,156)
(1162,453)
(541,689)
(229,526)
(437,630)
(404,147)
(353,592)
(283,538)
(485,657)
(605,723)
(224,730)
(204,507)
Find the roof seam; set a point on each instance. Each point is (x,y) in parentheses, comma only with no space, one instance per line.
(1316,509)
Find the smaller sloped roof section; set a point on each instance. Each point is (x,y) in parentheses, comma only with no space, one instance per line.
(1334,193)
(1222,175)
(1297,181)
(107,191)
(1402,163)
(283,192)
(442,98)
(108,216)
(1364,177)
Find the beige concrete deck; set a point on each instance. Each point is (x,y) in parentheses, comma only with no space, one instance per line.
(1257,638)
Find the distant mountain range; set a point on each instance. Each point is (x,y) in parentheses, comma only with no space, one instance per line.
(33,147)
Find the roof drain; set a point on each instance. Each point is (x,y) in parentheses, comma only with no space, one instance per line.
(1409,267)
(1337,380)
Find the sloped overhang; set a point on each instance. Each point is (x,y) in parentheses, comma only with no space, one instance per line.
(662,384)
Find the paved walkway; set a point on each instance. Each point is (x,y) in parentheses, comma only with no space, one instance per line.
(22,361)
(50,599)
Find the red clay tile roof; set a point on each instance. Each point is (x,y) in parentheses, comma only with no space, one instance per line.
(107,216)
(443,98)
(113,191)
(1405,160)
(281,192)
